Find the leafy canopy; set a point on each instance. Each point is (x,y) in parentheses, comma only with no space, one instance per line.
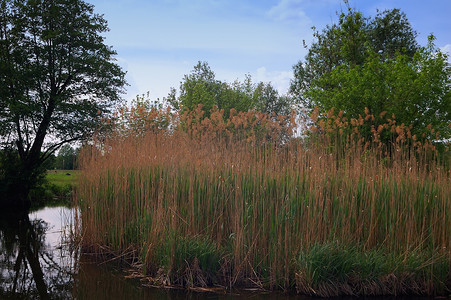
(56,77)
(201,87)
(376,64)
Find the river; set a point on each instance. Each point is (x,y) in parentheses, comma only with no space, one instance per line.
(37,261)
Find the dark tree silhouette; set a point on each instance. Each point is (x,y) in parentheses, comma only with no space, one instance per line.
(57,77)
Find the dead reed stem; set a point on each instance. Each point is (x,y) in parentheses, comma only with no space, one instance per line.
(235,191)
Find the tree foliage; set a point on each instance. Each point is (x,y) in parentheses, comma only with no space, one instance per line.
(201,87)
(390,32)
(57,76)
(66,158)
(376,64)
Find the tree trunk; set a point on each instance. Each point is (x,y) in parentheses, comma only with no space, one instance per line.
(17,181)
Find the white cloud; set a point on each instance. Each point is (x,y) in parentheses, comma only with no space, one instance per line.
(160,41)
(279,79)
(289,11)
(446,49)
(156,76)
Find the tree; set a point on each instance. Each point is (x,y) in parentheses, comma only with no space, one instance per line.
(57,77)
(267,99)
(376,64)
(347,43)
(65,160)
(202,87)
(391,32)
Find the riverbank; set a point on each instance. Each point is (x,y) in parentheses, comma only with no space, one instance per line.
(56,190)
(322,217)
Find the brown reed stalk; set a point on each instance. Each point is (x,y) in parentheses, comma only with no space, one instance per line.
(260,198)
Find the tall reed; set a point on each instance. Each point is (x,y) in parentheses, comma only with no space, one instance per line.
(237,202)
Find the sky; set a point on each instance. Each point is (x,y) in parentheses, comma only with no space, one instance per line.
(159,41)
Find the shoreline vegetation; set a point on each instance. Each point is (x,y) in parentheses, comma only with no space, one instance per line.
(57,188)
(229,203)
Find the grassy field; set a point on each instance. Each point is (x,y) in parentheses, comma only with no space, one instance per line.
(57,190)
(230,204)
(63,178)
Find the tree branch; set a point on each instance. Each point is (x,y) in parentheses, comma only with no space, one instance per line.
(52,149)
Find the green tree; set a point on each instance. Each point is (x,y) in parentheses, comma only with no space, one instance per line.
(65,160)
(347,43)
(376,64)
(267,99)
(202,87)
(57,77)
(390,32)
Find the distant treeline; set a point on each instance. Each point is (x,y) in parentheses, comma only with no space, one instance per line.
(66,159)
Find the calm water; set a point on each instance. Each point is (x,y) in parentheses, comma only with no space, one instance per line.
(36,261)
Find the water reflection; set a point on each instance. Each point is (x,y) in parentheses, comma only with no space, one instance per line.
(31,264)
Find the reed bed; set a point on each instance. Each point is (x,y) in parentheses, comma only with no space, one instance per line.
(208,202)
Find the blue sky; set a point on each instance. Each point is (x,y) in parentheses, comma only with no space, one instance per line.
(158,41)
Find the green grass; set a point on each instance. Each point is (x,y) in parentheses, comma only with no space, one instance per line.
(337,268)
(62,178)
(56,190)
